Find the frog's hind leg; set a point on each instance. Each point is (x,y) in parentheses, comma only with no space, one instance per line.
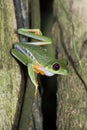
(35,34)
(33,78)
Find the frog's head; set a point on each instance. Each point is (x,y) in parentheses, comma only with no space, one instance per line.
(56,67)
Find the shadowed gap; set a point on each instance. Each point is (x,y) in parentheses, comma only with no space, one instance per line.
(49,101)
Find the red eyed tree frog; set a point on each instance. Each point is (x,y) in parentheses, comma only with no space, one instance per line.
(36,58)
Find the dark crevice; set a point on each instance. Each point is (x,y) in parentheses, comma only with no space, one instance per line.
(49,99)
(18,13)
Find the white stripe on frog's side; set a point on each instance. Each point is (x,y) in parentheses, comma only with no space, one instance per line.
(47,73)
(25,51)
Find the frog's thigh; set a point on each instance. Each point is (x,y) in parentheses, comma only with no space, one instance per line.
(37,69)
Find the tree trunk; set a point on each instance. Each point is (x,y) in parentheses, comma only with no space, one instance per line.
(16,89)
(9,70)
(72,89)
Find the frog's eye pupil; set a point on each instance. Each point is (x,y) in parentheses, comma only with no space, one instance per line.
(56,66)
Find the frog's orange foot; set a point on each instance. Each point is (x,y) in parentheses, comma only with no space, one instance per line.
(37,83)
(38,32)
(36,88)
(35,31)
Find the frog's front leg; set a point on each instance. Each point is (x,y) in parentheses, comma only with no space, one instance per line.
(33,77)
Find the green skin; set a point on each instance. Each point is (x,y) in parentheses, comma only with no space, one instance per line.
(30,53)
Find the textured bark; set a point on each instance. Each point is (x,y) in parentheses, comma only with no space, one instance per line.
(72,89)
(9,71)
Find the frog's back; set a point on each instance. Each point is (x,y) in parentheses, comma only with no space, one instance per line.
(38,53)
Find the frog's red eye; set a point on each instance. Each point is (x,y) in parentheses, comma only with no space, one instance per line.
(56,66)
